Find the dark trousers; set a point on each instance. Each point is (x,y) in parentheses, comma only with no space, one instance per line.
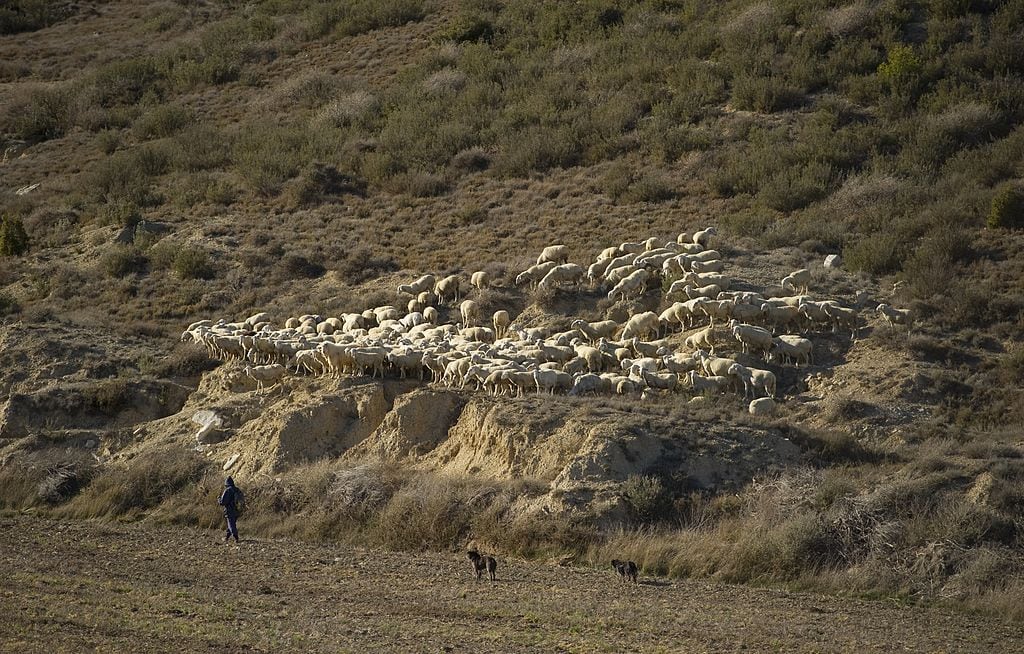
(232,527)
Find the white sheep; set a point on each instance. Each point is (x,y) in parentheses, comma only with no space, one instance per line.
(640,325)
(480,280)
(470,311)
(793,349)
(751,337)
(893,316)
(762,406)
(424,283)
(501,320)
(714,265)
(633,284)
(594,331)
(703,338)
(265,375)
(704,385)
(448,286)
(534,274)
(702,236)
(754,380)
(564,273)
(798,280)
(430,315)
(554,253)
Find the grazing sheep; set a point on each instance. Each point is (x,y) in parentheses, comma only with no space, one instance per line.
(265,375)
(842,317)
(754,380)
(565,273)
(703,338)
(701,237)
(640,325)
(534,274)
(664,381)
(470,312)
(424,283)
(587,383)
(430,315)
(714,265)
(627,570)
(448,286)
(705,385)
(554,253)
(793,349)
(751,337)
(763,406)
(482,563)
(892,315)
(634,283)
(481,279)
(501,320)
(549,380)
(798,281)
(595,331)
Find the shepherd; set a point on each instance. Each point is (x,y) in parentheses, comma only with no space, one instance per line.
(231,499)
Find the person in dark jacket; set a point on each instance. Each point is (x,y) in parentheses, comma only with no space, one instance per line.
(230,499)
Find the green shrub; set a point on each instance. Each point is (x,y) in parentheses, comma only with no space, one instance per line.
(763,94)
(879,254)
(30,15)
(901,71)
(125,81)
(122,213)
(8,304)
(1007,210)
(267,156)
(122,260)
(162,121)
(646,496)
(191,262)
(200,147)
(13,237)
(43,113)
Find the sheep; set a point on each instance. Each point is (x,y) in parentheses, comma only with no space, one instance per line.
(554,253)
(370,357)
(501,320)
(892,315)
(702,279)
(448,286)
(721,309)
(751,337)
(679,363)
(265,375)
(597,270)
(754,380)
(715,265)
(310,361)
(414,306)
(764,406)
(588,383)
(534,274)
(481,279)
(666,381)
(703,385)
(609,252)
(593,357)
(406,361)
(424,283)
(549,380)
(701,237)
(684,238)
(701,339)
(781,318)
(479,334)
(567,272)
(430,315)
(798,280)
(635,282)
(640,325)
(793,348)
(749,312)
(470,312)
(842,317)
(594,331)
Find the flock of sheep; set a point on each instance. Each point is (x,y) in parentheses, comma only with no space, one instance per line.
(588,358)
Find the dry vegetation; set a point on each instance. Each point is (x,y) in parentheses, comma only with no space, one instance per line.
(293,154)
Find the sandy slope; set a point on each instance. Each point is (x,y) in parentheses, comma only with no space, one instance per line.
(134,587)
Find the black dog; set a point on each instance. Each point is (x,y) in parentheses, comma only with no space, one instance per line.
(481,563)
(626,569)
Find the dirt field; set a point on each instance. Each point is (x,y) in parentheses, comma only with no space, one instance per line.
(86,586)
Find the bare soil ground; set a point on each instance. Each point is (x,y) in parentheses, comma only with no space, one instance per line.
(83,586)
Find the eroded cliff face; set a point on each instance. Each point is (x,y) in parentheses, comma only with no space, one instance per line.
(581,449)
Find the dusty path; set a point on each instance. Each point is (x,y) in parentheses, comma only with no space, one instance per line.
(71,587)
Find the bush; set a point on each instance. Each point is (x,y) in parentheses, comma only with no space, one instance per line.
(122,260)
(763,94)
(30,15)
(191,262)
(646,496)
(1007,209)
(13,238)
(45,113)
(161,122)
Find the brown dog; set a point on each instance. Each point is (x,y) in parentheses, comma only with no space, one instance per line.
(481,563)
(627,570)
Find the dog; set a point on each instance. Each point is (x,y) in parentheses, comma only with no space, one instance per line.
(627,570)
(481,563)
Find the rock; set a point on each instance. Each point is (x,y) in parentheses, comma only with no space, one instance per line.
(763,406)
(89,444)
(209,422)
(833,261)
(230,462)
(128,234)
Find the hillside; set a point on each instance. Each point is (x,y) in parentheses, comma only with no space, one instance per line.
(170,162)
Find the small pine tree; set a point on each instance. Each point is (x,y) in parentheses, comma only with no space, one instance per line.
(13,238)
